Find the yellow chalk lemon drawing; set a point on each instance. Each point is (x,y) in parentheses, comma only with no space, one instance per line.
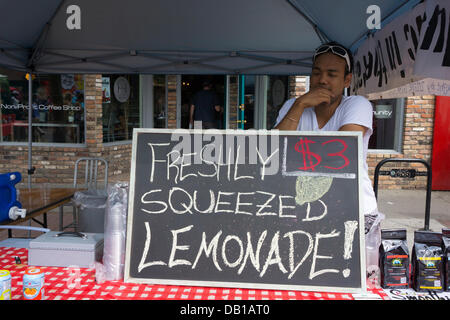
(310,189)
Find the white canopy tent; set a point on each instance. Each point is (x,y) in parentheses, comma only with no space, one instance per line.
(171,36)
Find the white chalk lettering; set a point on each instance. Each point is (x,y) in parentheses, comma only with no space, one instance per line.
(234,253)
(290,235)
(183,164)
(211,202)
(187,208)
(203,160)
(249,253)
(319,236)
(208,249)
(226,163)
(308,209)
(281,207)
(181,201)
(239,203)
(236,177)
(175,247)
(224,251)
(148,239)
(264,162)
(152,145)
(172,164)
(217,143)
(349,234)
(274,256)
(266,205)
(216,210)
(156,202)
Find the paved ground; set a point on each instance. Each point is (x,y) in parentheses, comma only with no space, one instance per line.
(402,209)
(406,209)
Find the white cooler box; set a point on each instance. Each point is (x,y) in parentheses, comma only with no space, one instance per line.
(64,249)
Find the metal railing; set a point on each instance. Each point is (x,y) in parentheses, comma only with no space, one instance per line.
(406,173)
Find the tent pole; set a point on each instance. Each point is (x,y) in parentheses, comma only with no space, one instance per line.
(30,127)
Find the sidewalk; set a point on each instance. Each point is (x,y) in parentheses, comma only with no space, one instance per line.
(406,209)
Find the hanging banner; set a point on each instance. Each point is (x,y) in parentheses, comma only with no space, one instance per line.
(428,86)
(410,49)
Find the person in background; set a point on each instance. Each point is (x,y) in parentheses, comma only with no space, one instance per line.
(204,107)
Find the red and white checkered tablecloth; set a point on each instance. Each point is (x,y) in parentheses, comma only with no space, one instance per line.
(80,284)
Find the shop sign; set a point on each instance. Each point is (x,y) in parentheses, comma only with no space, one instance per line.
(40,107)
(383,111)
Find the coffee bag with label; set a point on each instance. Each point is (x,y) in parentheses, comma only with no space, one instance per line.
(394,259)
(446,248)
(427,258)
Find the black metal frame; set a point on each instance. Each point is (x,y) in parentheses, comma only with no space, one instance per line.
(406,173)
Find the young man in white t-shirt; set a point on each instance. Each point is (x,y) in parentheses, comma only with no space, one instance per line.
(325,108)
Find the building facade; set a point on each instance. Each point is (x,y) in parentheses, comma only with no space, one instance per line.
(94,115)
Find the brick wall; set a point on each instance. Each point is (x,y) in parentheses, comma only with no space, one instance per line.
(53,165)
(94,122)
(233,102)
(172,101)
(297,86)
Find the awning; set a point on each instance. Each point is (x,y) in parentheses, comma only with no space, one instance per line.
(180,37)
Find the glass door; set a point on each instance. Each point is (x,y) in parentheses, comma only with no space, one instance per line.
(191,85)
(260,99)
(153,101)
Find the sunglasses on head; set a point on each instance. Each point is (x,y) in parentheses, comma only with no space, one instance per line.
(337,50)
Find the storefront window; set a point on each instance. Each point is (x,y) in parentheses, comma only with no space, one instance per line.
(387,124)
(57,103)
(120,106)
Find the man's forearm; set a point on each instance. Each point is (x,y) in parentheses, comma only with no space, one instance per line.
(291,119)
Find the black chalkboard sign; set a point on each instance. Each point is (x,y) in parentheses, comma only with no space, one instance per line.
(250,209)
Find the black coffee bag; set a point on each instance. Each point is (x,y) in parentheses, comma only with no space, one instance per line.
(427,261)
(394,259)
(446,249)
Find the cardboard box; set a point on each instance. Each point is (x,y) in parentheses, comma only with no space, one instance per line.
(64,249)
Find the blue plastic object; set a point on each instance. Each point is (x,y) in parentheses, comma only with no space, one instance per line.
(8,193)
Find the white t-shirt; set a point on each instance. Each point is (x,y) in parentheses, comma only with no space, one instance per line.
(352,110)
